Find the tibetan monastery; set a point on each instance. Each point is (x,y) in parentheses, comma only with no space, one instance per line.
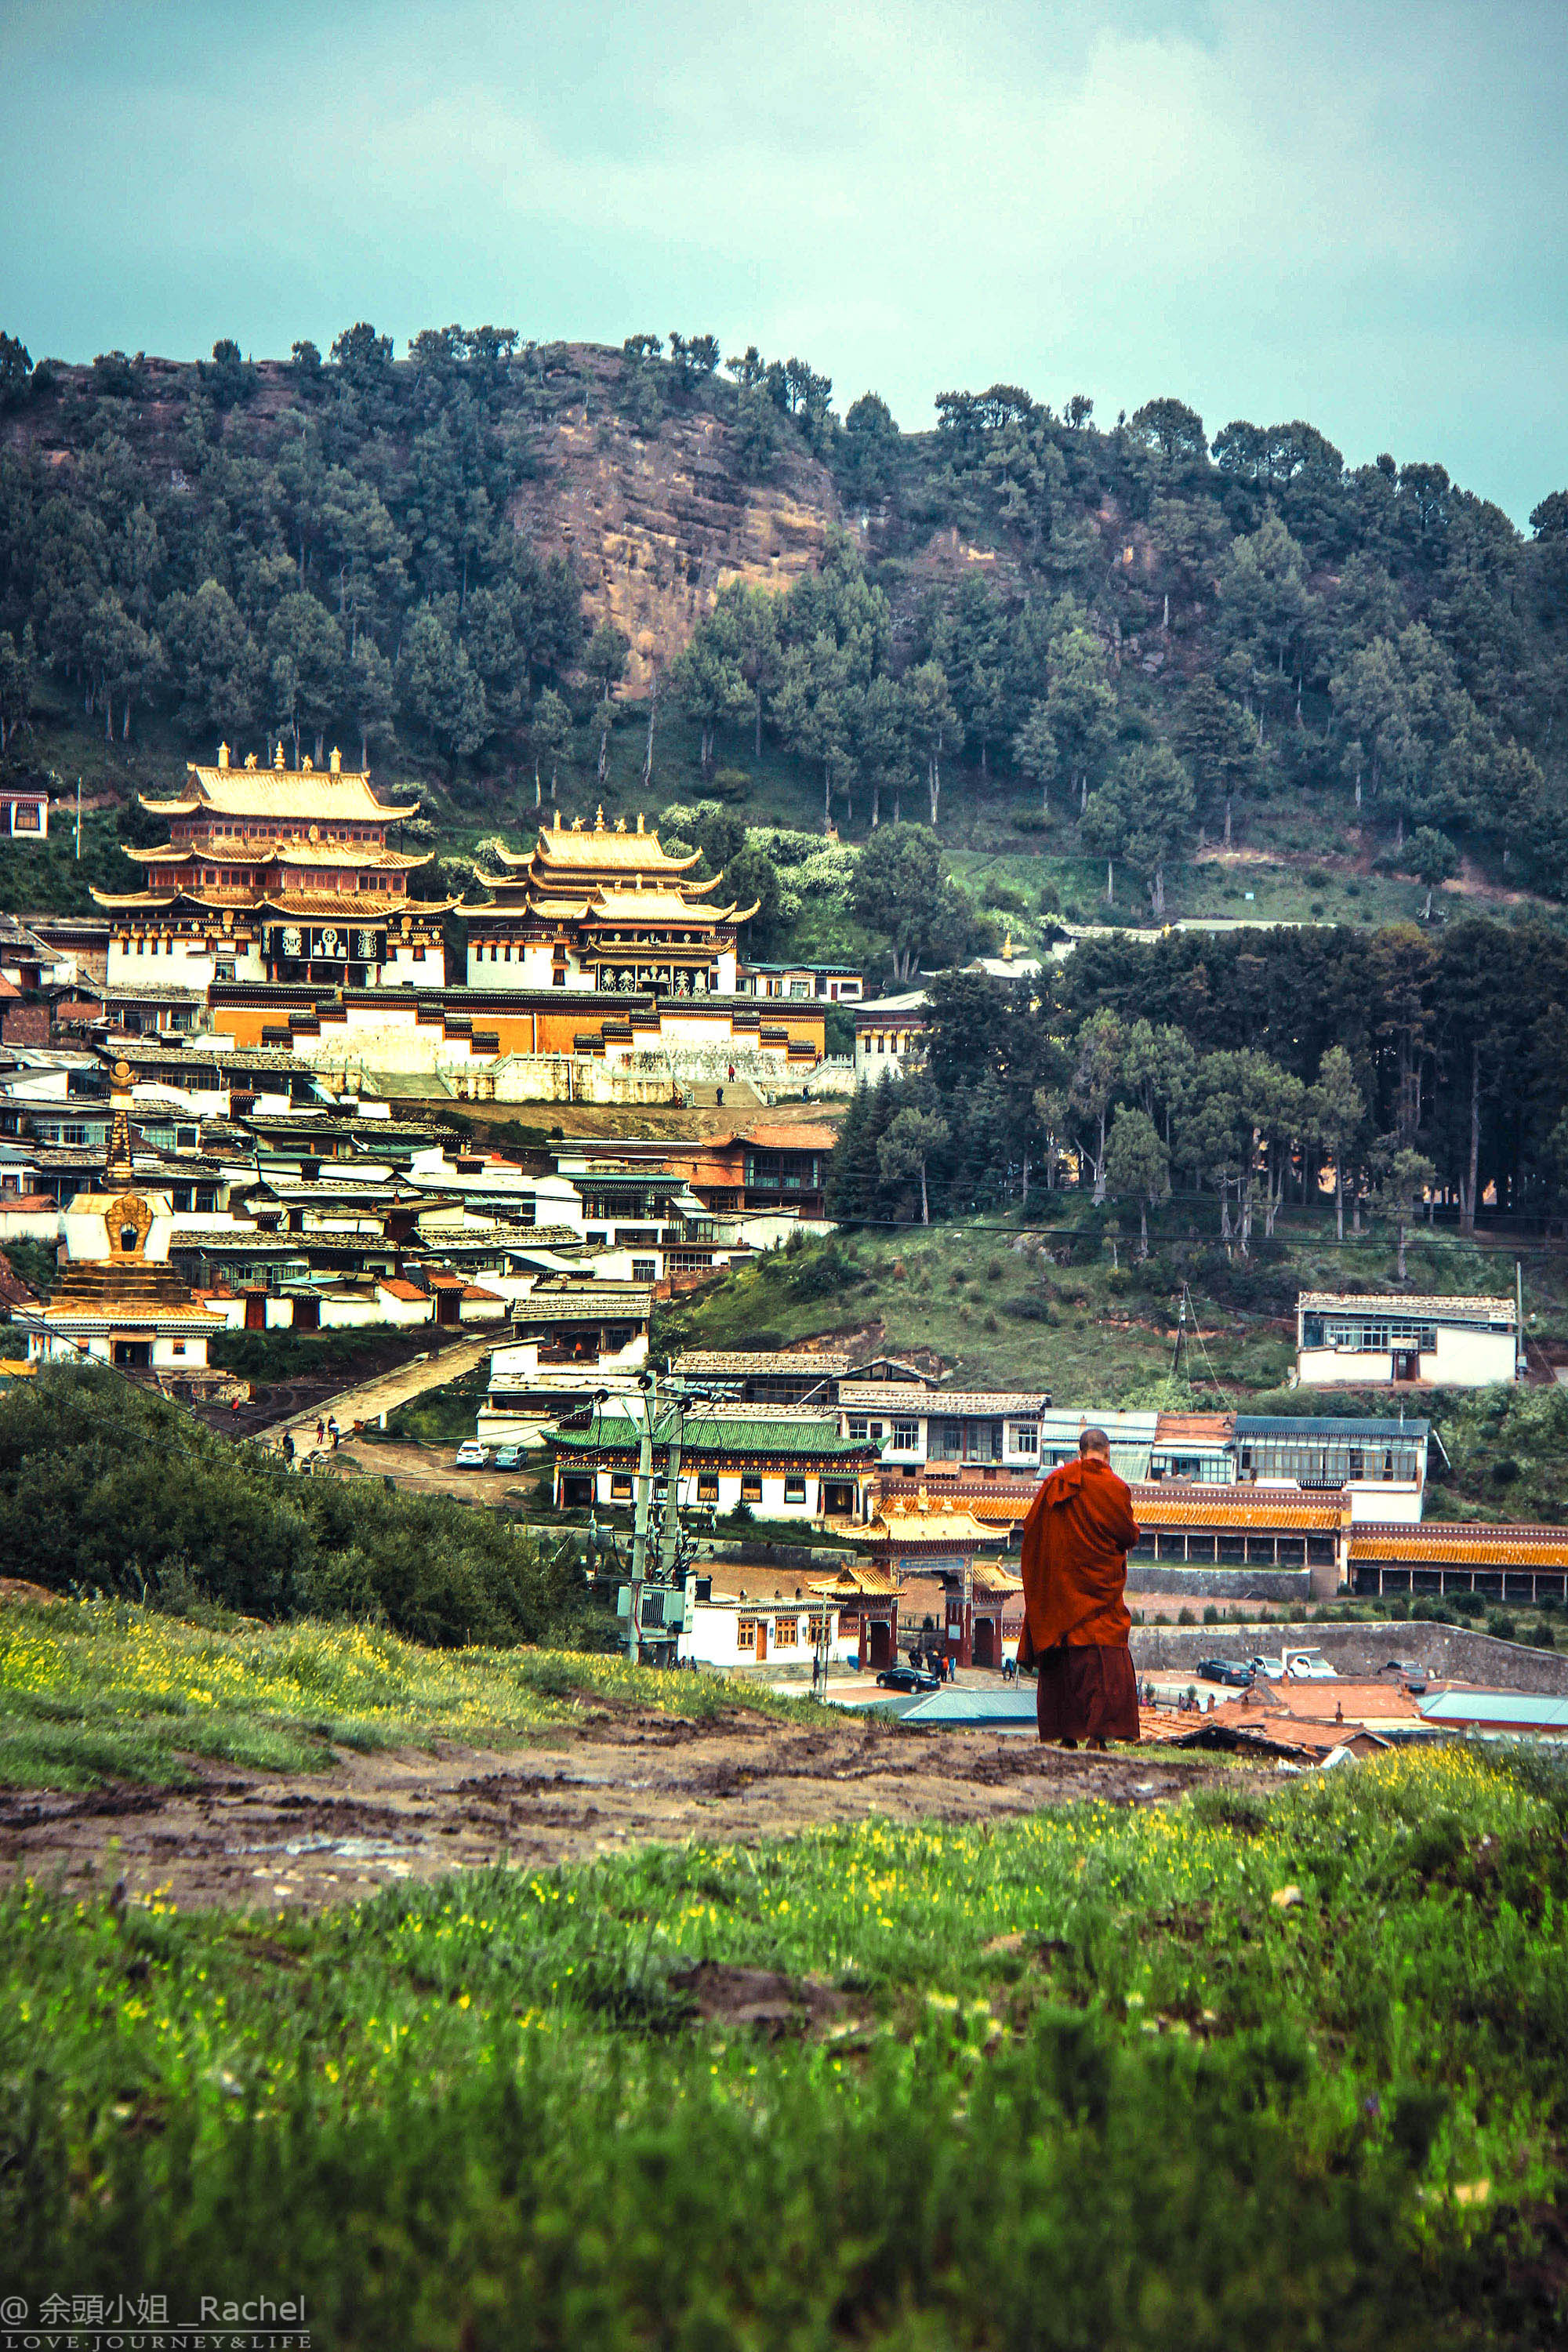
(607,911)
(276,875)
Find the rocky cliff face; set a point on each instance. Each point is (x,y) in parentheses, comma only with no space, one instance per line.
(655,524)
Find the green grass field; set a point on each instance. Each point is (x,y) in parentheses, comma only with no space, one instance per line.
(1286,2072)
(102,1690)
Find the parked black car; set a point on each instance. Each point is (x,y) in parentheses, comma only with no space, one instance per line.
(906,1678)
(1229,1670)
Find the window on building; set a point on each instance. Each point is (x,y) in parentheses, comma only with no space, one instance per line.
(620,1486)
(858,1426)
(882,1043)
(645,1269)
(745,1633)
(707,1486)
(73,1133)
(818,1629)
(751,1486)
(786,1633)
(1023,1437)
(906,1436)
(794,1488)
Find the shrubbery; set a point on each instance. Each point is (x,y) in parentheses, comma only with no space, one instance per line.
(105,1486)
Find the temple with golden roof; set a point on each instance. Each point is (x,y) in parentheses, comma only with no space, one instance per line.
(276,875)
(606,911)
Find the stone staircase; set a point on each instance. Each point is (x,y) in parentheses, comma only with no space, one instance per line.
(738,1094)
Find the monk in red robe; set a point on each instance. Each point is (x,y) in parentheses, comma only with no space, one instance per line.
(1076,1622)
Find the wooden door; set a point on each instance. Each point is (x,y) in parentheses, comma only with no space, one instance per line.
(762,1640)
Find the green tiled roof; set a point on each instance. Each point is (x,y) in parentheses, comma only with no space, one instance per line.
(616,1433)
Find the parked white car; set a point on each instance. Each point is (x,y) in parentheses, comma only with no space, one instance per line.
(472,1455)
(1296,1666)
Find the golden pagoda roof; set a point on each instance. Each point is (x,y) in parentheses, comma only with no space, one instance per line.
(332,794)
(566,853)
(281,853)
(625,903)
(355,906)
(925,1521)
(617,902)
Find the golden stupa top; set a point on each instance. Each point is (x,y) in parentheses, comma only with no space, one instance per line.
(562,853)
(331,795)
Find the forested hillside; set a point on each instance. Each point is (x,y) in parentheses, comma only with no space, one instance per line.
(1127,664)
(1203,1085)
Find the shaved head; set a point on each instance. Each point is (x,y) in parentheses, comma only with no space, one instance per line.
(1094,1441)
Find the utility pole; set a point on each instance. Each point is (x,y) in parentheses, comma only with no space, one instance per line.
(1181,1332)
(1521,1361)
(78,820)
(640,1517)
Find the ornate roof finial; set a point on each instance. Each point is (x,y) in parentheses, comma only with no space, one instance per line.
(118,1168)
(599,818)
(640,820)
(620,825)
(1007,948)
(223,755)
(576,824)
(277,754)
(557,820)
(307,765)
(249,760)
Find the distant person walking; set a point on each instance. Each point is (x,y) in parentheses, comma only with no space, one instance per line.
(288,1447)
(1076,1629)
(320,1431)
(333,1432)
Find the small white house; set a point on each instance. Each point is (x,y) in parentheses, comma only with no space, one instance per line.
(28,1217)
(912,1427)
(1443,1342)
(777,1466)
(745,1632)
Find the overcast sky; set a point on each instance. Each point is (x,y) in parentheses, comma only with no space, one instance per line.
(1354,214)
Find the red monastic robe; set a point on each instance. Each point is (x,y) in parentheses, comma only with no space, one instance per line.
(1076,1539)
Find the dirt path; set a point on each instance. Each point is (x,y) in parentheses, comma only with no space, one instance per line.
(309,1841)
